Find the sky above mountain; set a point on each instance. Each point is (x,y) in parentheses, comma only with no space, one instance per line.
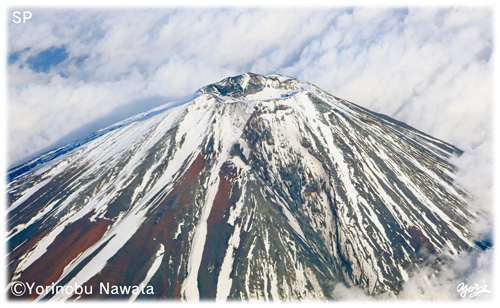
(73,71)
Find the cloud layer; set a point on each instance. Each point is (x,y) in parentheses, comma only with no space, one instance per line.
(428,67)
(413,64)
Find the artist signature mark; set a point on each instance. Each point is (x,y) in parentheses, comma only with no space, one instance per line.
(473,290)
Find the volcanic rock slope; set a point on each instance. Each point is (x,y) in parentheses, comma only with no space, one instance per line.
(255,187)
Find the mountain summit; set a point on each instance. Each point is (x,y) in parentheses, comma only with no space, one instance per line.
(254,187)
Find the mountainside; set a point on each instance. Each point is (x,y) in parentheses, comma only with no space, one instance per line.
(255,187)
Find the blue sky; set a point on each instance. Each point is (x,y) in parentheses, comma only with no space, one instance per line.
(47,59)
(73,71)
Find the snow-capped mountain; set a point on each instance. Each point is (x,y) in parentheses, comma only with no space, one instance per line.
(254,187)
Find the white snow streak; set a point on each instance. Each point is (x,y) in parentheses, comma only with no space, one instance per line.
(152,270)
(225,282)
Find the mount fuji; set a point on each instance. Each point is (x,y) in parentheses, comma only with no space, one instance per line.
(254,187)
